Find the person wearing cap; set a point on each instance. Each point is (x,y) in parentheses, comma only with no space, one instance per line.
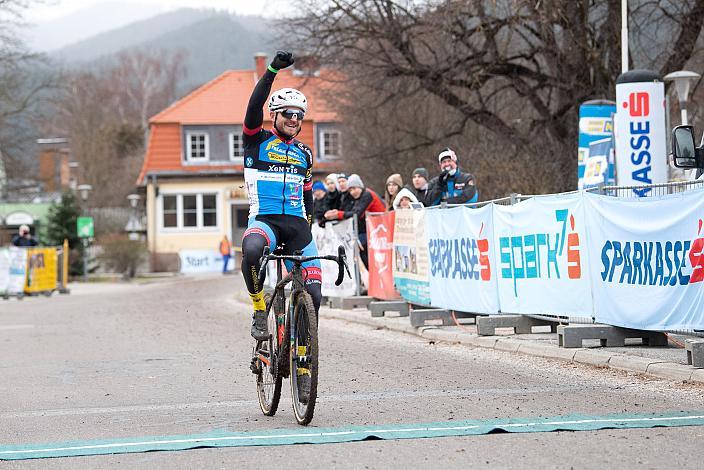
(364,200)
(419,185)
(452,185)
(394,183)
(24,237)
(332,198)
(344,201)
(319,195)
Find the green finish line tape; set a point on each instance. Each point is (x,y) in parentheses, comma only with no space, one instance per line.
(349,434)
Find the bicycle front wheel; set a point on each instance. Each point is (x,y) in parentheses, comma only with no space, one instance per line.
(304,359)
(268,376)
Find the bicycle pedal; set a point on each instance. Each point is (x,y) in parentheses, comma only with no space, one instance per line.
(254,366)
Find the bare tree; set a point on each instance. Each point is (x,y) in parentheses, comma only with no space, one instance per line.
(509,74)
(105,115)
(22,83)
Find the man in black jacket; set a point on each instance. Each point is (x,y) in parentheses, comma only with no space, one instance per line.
(24,238)
(419,185)
(452,185)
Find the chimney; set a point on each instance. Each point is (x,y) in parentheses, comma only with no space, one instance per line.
(260,63)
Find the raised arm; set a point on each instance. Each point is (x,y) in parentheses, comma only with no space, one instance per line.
(255,114)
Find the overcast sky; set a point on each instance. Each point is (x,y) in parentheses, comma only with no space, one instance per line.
(53,24)
(47,10)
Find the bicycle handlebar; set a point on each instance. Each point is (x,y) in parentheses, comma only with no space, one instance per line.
(340,259)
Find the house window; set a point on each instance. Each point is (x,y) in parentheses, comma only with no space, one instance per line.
(330,144)
(236,147)
(189,211)
(210,211)
(170,211)
(197,146)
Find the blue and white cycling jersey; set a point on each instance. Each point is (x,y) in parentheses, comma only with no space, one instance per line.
(276,173)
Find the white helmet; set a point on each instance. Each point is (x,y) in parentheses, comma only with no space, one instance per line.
(287,98)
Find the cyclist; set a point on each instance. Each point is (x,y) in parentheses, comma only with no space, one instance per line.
(278,175)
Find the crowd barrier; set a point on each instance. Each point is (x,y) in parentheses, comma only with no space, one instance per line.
(31,271)
(584,256)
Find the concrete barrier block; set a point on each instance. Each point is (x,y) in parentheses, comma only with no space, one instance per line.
(379,307)
(521,324)
(420,316)
(571,336)
(695,352)
(348,303)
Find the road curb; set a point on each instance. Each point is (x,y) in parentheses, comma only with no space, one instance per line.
(597,358)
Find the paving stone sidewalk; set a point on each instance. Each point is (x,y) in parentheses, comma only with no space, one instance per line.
(665,362)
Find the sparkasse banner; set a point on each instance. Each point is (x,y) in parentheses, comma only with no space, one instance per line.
(461,259)
(640,134)
(541,259)
(648,260)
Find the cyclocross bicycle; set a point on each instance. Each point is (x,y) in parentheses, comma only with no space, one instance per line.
(292,346)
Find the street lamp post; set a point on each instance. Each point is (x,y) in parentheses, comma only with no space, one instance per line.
(683,79)
(133,225)
(83,190)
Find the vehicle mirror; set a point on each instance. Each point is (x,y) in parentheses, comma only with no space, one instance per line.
(684,151)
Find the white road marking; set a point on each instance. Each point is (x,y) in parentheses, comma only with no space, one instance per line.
(15,327)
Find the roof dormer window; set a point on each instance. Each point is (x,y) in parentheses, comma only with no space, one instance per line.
(197,147)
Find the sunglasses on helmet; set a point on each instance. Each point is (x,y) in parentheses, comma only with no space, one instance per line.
(293,113)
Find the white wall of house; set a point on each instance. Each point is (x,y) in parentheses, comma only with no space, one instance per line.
(191,214)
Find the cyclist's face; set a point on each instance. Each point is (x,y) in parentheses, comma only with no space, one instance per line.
(287,127)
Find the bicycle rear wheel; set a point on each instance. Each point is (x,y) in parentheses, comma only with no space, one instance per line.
(304,358)
(268,376)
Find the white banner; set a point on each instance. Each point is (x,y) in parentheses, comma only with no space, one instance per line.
(411,256)
(541,258)
(13,270)
(327,240)
(202,261)
(461,265)
(648,265)
(640,135)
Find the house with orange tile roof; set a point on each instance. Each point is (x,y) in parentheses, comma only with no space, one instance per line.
(193,169)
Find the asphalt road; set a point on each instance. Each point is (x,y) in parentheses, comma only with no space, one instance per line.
(125,360)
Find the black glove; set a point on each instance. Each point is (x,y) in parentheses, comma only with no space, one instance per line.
(442,179)
(282,60)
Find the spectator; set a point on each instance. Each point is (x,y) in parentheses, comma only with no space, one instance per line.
(364,199)
(404,198)
(226,252)
(24,238)
(345,202)
(452,185)
(319,198)
(332,198)
(420,187)
(394,183)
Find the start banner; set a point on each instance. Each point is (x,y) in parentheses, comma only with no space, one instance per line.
(380,238)
(542,265)
(648,260)
(411,256)
(461,265)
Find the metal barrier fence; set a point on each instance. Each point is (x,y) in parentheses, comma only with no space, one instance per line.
(651,190)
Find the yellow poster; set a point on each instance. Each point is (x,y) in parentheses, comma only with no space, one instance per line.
(41,270)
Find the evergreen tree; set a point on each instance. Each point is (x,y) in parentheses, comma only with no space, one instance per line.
(62,220)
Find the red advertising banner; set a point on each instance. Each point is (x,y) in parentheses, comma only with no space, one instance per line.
(380,240)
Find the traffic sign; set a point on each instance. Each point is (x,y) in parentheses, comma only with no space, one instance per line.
(85,227)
